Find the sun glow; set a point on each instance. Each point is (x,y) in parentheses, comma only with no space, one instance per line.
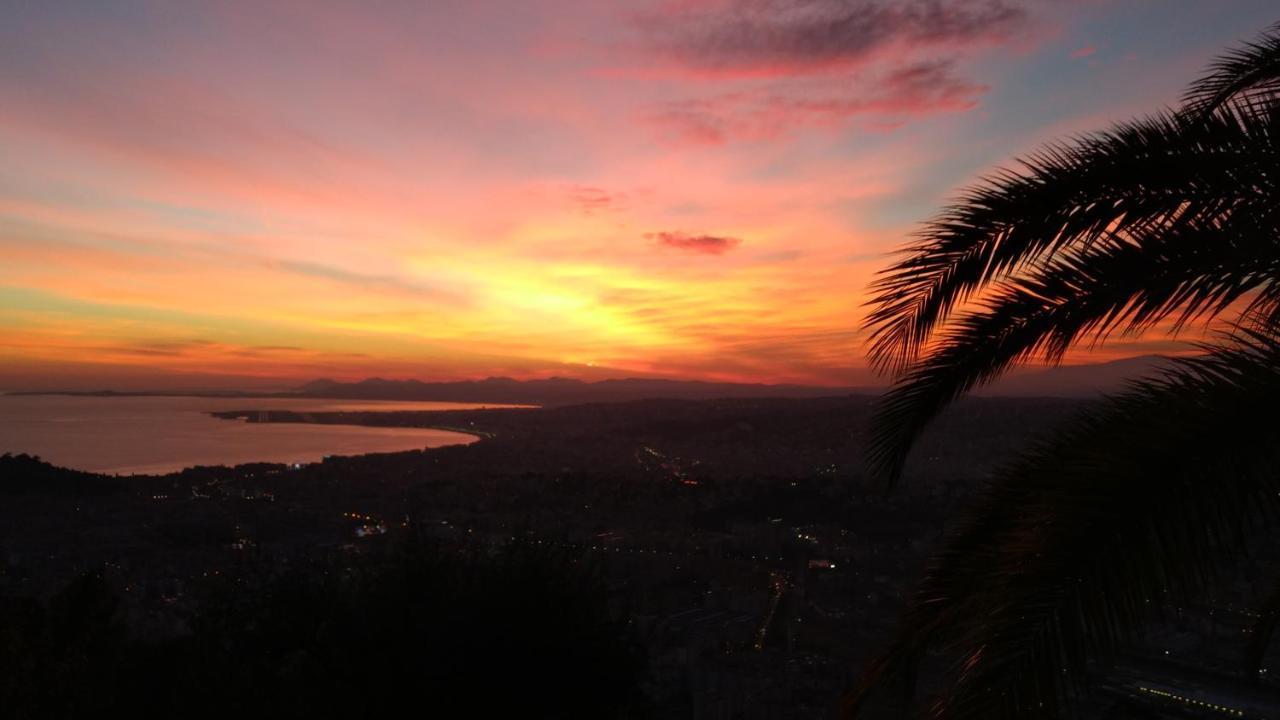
(330,195)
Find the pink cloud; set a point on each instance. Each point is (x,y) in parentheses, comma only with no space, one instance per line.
(783,65)
(702,244)
(761,38)
(915,90)
(1083,52)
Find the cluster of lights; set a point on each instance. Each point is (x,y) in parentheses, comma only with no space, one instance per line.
(617,548)
(1191,701)
(778,584)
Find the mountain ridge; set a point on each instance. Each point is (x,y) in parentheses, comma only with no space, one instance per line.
(1058,381)
(1070,381)
(559,390)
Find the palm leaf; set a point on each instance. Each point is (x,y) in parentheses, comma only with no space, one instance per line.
(1127,282)
(1161,172)
(1115,232)
(1079,541)
(1251,71)
(1146,172)
(1262,632)
(1155,223)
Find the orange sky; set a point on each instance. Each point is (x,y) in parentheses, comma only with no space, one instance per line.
(259,194)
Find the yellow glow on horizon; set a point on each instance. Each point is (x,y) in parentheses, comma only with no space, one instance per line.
(379,198)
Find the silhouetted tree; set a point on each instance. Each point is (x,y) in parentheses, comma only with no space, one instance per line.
(1145,228)
(60,659)
(434,632)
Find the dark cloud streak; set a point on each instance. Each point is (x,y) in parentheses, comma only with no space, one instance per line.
(593,200)
(786,64)
(703,244)
(763,37)
(918,89)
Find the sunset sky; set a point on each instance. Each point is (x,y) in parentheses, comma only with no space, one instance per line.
(261,193)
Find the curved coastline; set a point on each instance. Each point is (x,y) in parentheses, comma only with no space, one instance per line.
(155,435)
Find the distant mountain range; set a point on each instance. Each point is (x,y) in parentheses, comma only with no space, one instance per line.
(1076,380)
(557,391)
(1062,381)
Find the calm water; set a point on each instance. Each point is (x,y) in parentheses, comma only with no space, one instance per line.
(163,434)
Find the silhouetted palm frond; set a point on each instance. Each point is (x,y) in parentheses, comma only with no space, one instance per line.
(1122,283)
(1076,545)
(1161,172)
(1250,72)
(1145,228)
(1115,231)
(1262,632)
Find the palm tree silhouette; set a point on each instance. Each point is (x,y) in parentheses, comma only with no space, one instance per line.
(1150,227)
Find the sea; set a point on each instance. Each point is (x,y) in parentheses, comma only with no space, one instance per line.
(125,435)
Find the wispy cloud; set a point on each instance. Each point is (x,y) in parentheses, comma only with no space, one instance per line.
(369,281)
(593,200)
(919,89)
(782,65)
(784,37)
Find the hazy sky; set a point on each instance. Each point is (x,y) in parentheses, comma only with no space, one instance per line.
(443,189)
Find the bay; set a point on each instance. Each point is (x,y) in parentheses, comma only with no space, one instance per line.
(127,435)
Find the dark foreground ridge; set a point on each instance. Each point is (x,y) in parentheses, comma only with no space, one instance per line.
(662,558)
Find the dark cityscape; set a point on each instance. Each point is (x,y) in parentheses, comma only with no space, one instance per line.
(735,552)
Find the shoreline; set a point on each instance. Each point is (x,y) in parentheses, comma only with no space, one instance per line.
(367,429)
(455,421)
